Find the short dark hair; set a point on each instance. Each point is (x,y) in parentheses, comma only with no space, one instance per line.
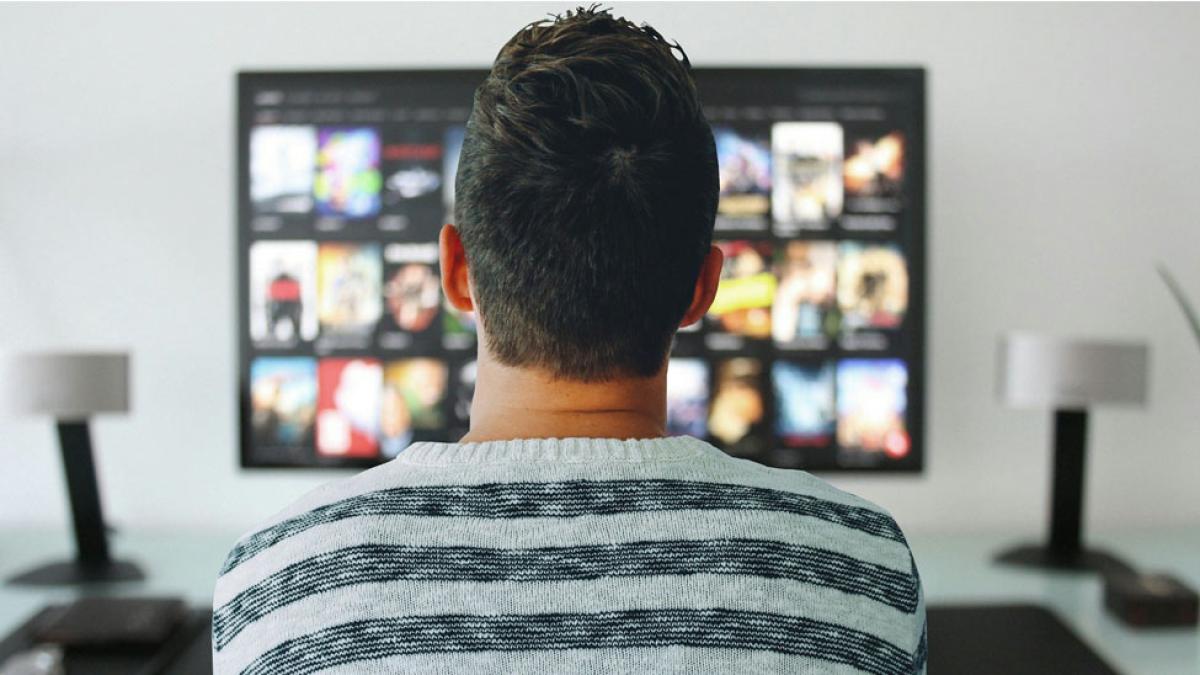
(585,196)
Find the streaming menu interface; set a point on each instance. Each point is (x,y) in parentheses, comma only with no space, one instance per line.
(810,357)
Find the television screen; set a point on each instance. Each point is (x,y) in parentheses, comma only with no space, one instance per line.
(812,355)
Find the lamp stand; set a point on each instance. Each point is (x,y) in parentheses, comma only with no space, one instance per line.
(92,562)
(1064,549)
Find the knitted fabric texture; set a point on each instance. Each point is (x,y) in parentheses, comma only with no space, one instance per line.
(572,556)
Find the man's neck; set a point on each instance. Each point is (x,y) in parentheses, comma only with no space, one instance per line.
(512,403)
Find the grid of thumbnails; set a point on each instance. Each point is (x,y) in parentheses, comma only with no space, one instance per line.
(350,352)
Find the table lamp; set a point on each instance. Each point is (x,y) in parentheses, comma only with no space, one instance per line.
(72,387)
(1069,377)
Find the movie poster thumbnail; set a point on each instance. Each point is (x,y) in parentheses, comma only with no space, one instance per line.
(413,185)
(413,402)
(804,404)
(806,175)
(348,407)
(283,293)
(687,397)
(348,181)
(349,292)
(453,144)
(804,312)
(458,327)
(412,296)
(742,306)
(874,180)
(737,418)
(283,402)
(688,341)
(744,170)
(872,290)
(872,402)
(282,169)
(462,388)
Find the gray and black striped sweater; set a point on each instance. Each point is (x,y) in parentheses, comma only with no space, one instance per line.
(572,556)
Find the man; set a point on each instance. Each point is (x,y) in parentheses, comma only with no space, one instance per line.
(565,533)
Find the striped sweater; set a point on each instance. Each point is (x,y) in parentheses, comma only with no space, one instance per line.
(572,556)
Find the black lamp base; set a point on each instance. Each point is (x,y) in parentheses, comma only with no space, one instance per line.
(74,572)
(92,563)
(1083,560)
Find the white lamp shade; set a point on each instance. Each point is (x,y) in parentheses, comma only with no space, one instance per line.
(1038,371)
(67,386)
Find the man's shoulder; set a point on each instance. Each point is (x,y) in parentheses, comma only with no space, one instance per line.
(820,523)
(327,504)
(850,542)
(807,493)
(707,481)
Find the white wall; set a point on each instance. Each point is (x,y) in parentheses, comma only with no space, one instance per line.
(1064,146)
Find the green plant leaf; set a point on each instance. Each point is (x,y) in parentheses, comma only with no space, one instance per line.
(1189,312)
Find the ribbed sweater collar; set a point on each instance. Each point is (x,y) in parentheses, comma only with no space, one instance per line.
(554,451)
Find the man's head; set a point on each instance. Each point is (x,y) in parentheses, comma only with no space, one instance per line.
(585,199)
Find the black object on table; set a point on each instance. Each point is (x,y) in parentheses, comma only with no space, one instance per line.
(187,650)
(1007,639)
(1152,600)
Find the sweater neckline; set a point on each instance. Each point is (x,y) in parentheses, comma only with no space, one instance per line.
(554,451)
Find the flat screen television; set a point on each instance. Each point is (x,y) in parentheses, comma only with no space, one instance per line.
(812,355)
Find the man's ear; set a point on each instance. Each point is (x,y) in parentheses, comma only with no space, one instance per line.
(456,282)
(706,287)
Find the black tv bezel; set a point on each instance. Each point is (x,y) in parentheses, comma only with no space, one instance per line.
(913,77)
